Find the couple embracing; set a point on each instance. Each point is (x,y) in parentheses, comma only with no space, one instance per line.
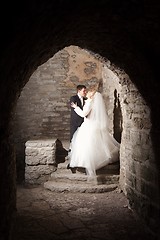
(91,145)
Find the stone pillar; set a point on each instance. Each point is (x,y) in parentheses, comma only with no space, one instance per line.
(41,158)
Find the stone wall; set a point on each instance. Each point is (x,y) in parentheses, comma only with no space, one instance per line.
(43,111)
(43,107)
(138,170)
(125,33)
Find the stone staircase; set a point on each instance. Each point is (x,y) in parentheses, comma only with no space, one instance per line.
(63,180)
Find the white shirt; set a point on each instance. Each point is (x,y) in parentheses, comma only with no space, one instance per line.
(81,98)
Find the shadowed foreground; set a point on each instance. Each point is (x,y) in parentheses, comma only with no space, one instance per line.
(42,214)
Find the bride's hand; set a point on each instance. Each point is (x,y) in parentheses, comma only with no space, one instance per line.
(74,105)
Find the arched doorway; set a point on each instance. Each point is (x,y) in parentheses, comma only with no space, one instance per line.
(33,40)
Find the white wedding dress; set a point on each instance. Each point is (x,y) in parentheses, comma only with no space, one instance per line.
(92,146)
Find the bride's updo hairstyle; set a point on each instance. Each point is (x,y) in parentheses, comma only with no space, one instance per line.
(100,86)
(97,87)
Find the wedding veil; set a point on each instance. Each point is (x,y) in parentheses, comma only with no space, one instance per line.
(98,113)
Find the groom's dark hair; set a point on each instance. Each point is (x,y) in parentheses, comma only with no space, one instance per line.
(80,87)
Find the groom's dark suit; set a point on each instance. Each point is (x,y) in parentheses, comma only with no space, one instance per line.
(75,120)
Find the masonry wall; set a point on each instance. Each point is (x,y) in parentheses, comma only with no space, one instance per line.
(125,33)
(43,109)
(43,112)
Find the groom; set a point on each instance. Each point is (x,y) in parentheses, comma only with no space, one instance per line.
(75,119)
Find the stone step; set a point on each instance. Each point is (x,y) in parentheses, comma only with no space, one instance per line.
(109,166)
(64,176)
(89,187)
(63,180)
(108,169)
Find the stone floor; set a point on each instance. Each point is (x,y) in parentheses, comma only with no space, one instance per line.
(46,215)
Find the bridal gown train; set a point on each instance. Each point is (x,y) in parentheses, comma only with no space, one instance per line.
(92,146)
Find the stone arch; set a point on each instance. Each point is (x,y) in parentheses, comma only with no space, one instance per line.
(42,109)
(113,79)
(118,34)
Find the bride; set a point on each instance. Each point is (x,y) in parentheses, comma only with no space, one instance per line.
(92,146)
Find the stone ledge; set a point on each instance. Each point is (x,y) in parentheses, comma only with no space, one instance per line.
(41,143)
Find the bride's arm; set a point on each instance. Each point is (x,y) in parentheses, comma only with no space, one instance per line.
(86,108)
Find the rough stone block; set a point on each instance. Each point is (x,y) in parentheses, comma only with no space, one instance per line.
(41,158)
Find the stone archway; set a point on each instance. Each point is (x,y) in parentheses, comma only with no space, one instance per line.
(136,117)
(43,110)
(129,39)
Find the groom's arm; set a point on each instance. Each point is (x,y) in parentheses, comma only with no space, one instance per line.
(74,100)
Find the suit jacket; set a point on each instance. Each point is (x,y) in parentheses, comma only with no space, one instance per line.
(75,119)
